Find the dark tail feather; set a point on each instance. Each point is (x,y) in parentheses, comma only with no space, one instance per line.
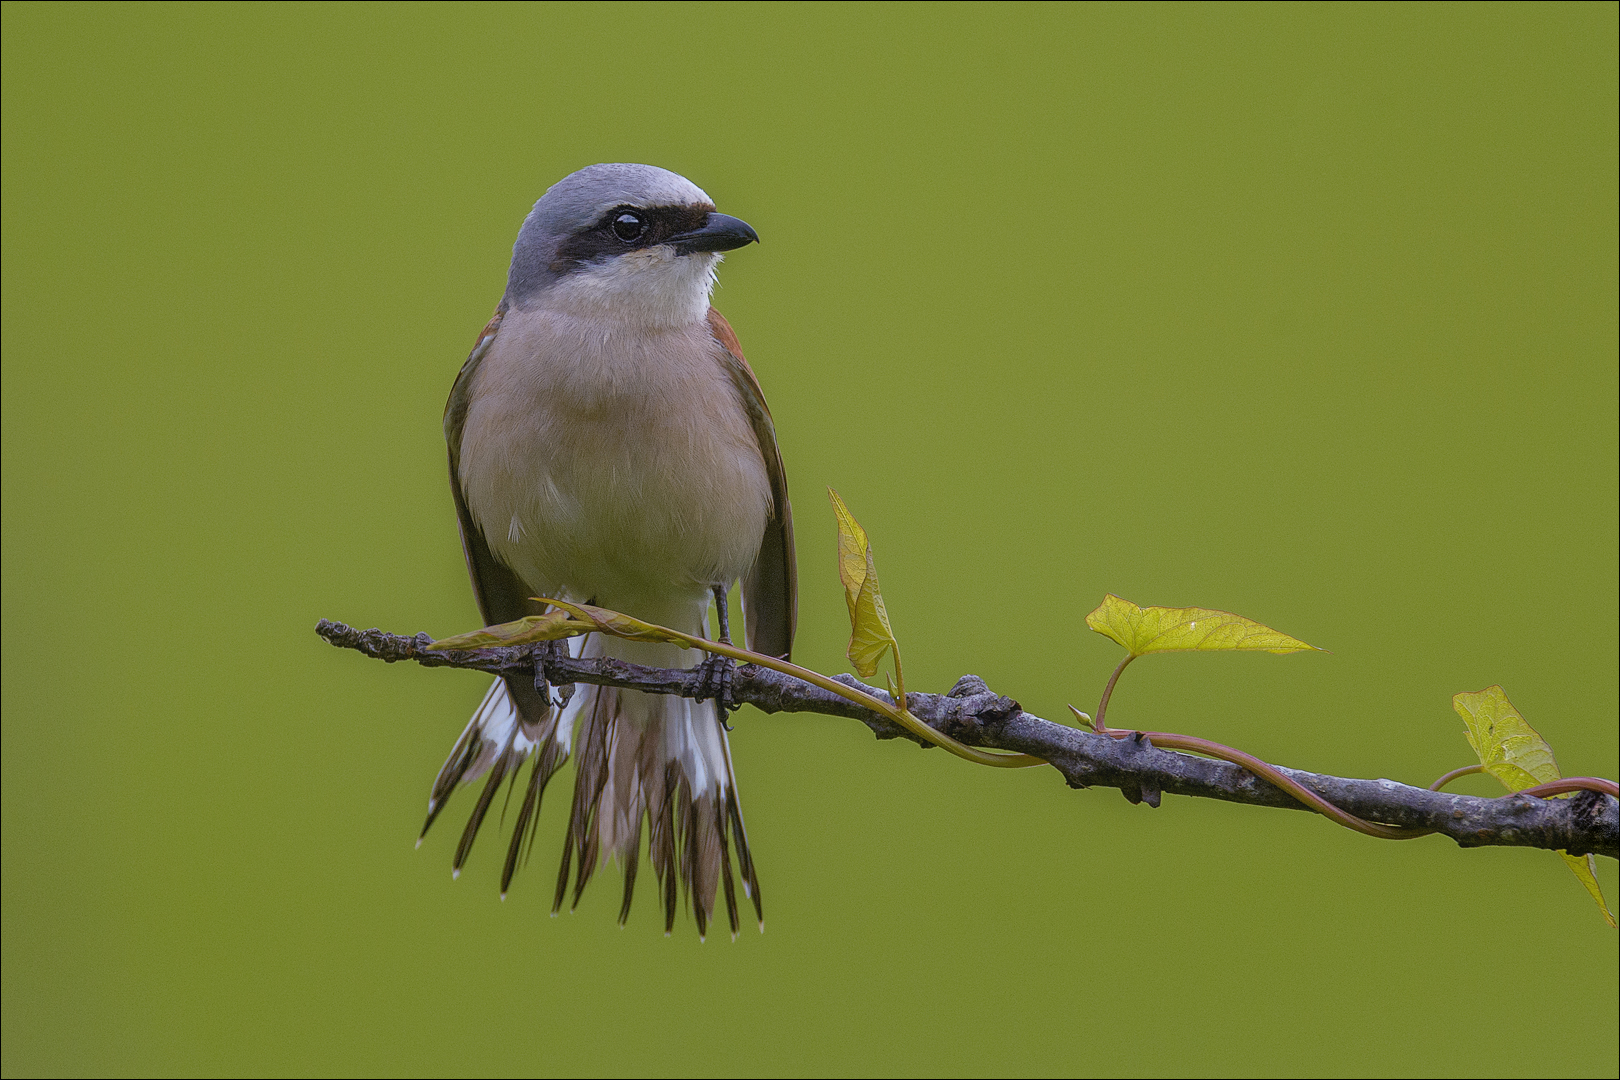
(701,866)
(745,860)
(590,838)
(632,855)
(590,778)
(546,763)
(460,761)
(689,860)
(663,844)
(497,773)
(720,824)
(562,875)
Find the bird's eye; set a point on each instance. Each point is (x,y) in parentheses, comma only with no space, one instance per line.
(628,226)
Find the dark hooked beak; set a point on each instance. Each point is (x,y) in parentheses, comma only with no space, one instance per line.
(720,232)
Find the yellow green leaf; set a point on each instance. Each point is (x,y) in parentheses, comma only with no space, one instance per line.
(1144,630)
(1509,748)
(1516,754)
(548,627)
(618,624)
(1584,867)
(869,635)
(852,545)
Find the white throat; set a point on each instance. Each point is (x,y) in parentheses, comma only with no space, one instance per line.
(653,287)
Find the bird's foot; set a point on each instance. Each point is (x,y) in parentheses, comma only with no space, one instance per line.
(550,652)
(715,680)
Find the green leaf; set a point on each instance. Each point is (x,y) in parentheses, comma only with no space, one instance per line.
(1509,748)
(852,548)
(869,634)
(548,627)
(1584,867)
(1144,630)
(1516,754)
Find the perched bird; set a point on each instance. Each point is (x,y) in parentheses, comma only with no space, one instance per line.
(610,445)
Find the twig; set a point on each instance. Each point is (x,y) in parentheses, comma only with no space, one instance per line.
(972,714)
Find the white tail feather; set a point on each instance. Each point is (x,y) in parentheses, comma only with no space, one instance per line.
(642,759)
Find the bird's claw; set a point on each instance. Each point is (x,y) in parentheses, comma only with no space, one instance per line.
(550,652)
(715,680)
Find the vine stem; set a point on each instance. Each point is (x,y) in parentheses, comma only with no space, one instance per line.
(1466,770)
(1561,786)
(899,693)
(1170,741)
(1108,692)
(901,716)
(1573,783)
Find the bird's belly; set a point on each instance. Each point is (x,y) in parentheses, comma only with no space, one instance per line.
(636,507)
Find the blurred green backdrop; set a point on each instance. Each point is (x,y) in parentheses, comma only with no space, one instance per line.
(1306,312)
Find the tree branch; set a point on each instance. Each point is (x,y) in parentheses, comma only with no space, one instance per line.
(971,713)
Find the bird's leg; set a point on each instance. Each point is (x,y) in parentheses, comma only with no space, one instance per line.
(715,680)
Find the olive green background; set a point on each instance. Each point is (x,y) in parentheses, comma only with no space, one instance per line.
(1305,312)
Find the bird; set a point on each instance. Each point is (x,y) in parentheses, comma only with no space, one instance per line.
(609,444)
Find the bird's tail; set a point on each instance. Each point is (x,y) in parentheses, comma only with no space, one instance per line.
(496,741)
(651,759)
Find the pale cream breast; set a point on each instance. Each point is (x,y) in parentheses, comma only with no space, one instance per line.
(613,464)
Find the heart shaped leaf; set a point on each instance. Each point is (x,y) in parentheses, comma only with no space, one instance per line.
(1144,630)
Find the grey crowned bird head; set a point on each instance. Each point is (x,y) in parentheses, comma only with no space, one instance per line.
(624,243)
